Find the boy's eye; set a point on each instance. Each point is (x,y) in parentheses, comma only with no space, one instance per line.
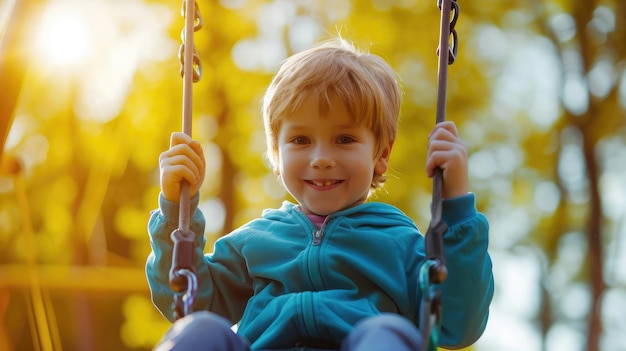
(300,140)
(344,139)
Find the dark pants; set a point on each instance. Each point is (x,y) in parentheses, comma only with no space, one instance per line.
(210,332)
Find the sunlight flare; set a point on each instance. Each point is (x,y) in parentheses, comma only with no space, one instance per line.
(63,36)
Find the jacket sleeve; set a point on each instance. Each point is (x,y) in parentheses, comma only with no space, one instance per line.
(468,289)
(219,275)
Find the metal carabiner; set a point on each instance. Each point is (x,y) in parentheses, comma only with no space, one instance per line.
(189,296)
(430,308)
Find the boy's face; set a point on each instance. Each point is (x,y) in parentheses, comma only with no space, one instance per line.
(327,163)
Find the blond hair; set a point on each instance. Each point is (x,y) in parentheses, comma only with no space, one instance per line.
(365,83)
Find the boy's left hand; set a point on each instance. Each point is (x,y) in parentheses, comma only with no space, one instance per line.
(448,152)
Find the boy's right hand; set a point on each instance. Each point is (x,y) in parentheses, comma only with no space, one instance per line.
(183,161)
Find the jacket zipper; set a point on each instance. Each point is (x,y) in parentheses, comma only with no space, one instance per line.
(317,236)
(313,273)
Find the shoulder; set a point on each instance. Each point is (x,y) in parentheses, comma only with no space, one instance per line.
(270,220)
(379,227)
(287,209)
(377,215)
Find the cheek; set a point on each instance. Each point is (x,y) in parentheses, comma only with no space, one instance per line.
(284,160)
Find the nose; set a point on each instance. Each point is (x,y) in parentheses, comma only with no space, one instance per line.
(322,157)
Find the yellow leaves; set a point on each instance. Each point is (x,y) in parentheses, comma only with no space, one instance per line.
(542,151)
(143,326)
(63,190)
(131,222)
(57,220)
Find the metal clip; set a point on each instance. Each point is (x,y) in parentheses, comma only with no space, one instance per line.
(430,308)
(184,302)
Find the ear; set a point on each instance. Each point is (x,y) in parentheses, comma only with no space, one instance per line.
(382,162)
(274,162)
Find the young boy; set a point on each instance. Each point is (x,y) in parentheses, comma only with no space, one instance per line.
(332,271)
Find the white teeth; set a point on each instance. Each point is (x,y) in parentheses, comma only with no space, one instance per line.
(324,183)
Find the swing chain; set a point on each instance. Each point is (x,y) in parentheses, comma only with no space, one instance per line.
(196,63)
(454,38)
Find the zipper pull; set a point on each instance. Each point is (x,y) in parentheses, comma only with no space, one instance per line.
(317,236)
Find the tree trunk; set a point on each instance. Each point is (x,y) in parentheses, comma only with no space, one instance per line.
(583,12)
(594,238)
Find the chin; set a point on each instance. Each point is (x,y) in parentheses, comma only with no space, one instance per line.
(320,211)
(325,211)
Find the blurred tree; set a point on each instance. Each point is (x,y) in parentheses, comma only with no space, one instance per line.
(587,37)
(558,180)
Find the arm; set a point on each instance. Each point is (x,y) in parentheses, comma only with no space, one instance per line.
(222,277)
(224,286)
(183,161)
(160,225)
(468,290)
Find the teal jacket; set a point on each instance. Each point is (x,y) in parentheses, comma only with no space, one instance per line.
(284,281)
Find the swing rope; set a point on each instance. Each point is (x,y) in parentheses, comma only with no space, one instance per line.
(434,270)
(183,275)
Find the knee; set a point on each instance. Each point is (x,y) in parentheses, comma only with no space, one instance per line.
(382,331)
(200,331)
(387,322)
(200,322)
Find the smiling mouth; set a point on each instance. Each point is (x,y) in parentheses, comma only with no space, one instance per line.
(323,182)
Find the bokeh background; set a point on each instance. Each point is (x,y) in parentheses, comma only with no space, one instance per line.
(90,91)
